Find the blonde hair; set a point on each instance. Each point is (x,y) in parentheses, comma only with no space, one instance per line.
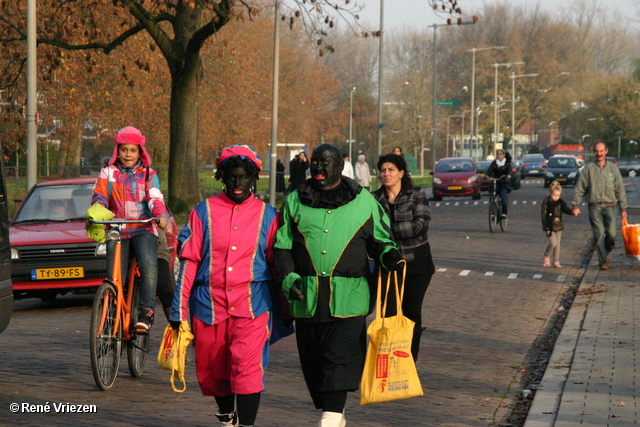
(555,187)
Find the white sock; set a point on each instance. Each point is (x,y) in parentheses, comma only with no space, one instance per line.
(330,419)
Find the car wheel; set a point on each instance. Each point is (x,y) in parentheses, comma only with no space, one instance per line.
(477,196)
(437,198)
(632,173)
(546,184)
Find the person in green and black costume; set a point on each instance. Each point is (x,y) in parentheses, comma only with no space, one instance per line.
(328,228)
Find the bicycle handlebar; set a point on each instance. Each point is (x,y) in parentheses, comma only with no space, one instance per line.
(117,221)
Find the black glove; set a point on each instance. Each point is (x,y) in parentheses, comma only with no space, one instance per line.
(175,324)
(391,259)
(295,293)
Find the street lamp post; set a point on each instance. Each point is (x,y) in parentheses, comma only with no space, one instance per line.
(495,97)
(380,69)
(351,124)
(434,129)
(513,107)
(473,81)
(619,133)
(454,145)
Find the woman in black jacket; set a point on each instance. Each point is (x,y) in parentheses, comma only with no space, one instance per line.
(298,171)
(501,169)
(408,209)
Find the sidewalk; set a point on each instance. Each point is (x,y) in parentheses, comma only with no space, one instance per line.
(591,376)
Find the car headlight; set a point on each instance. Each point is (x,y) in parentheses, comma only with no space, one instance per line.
(572,174)
(436,180)
(473,179)
(549,175)
(15,254)
(101,249)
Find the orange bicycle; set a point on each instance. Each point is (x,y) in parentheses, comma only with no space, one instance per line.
(114,313)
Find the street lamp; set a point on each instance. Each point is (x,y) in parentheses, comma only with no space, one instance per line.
(351,124)
(380,69)
(513,107)
(473,80)
(495,96)
(619,133)
(434,129)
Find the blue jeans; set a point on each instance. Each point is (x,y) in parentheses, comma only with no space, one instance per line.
(145,248)
(603,224)
(503,191)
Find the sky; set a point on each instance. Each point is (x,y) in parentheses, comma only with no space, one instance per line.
(417,14)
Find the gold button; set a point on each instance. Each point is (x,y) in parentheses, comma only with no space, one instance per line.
(230,269)
(229,288)
(233,248)
(235,227)
(237,208)
(232,309)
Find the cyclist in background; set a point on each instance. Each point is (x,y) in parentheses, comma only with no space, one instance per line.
(129,188)
(500,169)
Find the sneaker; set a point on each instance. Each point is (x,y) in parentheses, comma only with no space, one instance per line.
(546,261)
(145,320)
(557,264)
(228,420)
(503,216)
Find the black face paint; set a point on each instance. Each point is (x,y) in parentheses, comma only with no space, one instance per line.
(238,184)
(326,167)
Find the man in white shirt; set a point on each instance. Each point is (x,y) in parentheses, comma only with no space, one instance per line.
(348,167)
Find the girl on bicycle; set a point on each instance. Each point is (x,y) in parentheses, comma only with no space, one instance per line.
(500,169)
(224,287)
(552,208)
(130,189)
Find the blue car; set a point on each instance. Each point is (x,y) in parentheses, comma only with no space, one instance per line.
(533,165)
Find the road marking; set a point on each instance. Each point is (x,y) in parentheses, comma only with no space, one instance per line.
(537,276)
(534,203)
(465,272)
(561,278)
(442,270)
(456,204)
(524,202)
(489,273)
(512,275)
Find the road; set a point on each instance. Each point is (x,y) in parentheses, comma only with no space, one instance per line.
(485,310)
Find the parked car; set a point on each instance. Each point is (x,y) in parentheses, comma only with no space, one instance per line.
(6,288)
(629,166)
(456,176)
(50,251)
(562,168)
(533,165)
(483,166)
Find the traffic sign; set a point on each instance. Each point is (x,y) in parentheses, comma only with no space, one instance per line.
(447,102)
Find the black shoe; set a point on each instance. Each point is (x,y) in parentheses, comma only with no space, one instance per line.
(145,320)
(228,420)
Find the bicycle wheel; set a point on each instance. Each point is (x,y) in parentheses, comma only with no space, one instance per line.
(105,341)
(493,215)
(503,223)
(138,345)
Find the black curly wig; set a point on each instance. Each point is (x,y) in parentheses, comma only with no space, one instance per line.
(237,162)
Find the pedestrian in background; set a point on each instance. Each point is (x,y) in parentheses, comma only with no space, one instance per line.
(552,209)
(224,287)
(363,175)
(408,208)
(602,182)
(348,167)
(329,228)
(280,176)
(398,152)
(298,171)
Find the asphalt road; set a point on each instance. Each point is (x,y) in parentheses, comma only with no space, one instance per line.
(487,306)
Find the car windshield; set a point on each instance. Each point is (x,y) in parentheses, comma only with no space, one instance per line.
(482,166)
(533,158)
(57,203)
(562,162)
(455,165)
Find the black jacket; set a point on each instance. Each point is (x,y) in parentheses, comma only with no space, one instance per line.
(552,214)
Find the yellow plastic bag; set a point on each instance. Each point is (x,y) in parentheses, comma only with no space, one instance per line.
(389,370)
(631,236)
(173,353)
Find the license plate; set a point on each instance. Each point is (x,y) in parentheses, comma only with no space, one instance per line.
(455,187)
(561,179)
(533,171)
(57,273)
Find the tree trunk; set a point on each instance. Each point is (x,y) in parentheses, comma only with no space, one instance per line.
(184,186)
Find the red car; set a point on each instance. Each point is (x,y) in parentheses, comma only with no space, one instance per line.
(50,251)
(456,176)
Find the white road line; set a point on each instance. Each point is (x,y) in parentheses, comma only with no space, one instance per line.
(489,273)
(537,276)
(561,278)
(512,275)
(442,270)
(465,272)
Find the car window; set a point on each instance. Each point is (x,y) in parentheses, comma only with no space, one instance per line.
(482,166)
(562,162)
(533,158)
(455,165)
(56,202)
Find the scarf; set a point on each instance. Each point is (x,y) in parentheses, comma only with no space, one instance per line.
(501,163)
